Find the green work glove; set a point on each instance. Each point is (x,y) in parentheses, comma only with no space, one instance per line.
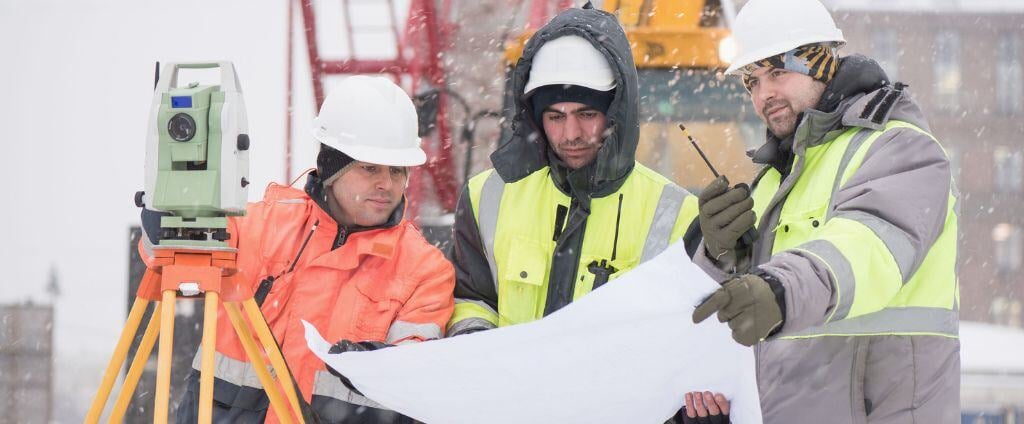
(725,214)
(751,304)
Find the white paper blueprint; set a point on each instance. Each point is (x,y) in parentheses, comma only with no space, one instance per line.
(626,353)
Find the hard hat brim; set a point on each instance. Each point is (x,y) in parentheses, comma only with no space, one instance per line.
(568,81)
(411,156)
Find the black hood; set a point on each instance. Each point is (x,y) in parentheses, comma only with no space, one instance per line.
(526,149)
(857,74)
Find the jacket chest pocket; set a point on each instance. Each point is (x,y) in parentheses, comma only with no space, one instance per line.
(376,309)
(521,281)
(795,228)
(587,279)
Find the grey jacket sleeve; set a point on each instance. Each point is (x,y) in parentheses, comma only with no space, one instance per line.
(710,267)
(473,281)
(901,193)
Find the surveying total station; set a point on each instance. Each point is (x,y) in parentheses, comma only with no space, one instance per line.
(197,164)
(197,157)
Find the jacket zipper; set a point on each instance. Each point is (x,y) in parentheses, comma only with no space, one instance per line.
(576,253)
(603,270)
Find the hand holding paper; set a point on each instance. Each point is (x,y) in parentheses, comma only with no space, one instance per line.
(627,352)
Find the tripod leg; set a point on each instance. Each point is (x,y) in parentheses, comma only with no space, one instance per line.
(270,346)
(117,359)
(164,356)
(135,371)
(208,350)
(277,402)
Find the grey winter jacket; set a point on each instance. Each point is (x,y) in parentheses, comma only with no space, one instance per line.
(905,181)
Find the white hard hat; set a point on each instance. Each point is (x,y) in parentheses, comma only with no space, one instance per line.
(572,60)
(371,120)
(765,28)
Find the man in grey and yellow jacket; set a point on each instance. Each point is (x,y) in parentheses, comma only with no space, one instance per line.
(851,288)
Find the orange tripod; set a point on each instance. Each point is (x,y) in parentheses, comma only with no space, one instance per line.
(207,272)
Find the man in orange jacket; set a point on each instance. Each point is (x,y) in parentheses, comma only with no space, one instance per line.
(338,254)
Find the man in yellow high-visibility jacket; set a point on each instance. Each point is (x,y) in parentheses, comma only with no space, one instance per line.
(851,288)
(566,207)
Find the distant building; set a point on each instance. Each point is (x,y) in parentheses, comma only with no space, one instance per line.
(964,63)
(26,363)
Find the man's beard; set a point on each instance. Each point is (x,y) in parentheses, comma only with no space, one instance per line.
(781,126)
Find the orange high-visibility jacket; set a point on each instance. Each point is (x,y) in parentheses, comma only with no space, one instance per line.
(386,284)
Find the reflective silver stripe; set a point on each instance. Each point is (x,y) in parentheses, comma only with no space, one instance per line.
(955,194)
(403,329)
(490,201)
(479,303)
(664,220)
(842,273)
(906,321)
(895,239)
(231,370)
(851,149)
(327,384)
(291,201)
(471,323)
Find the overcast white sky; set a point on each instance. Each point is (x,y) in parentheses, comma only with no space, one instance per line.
(77,83)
